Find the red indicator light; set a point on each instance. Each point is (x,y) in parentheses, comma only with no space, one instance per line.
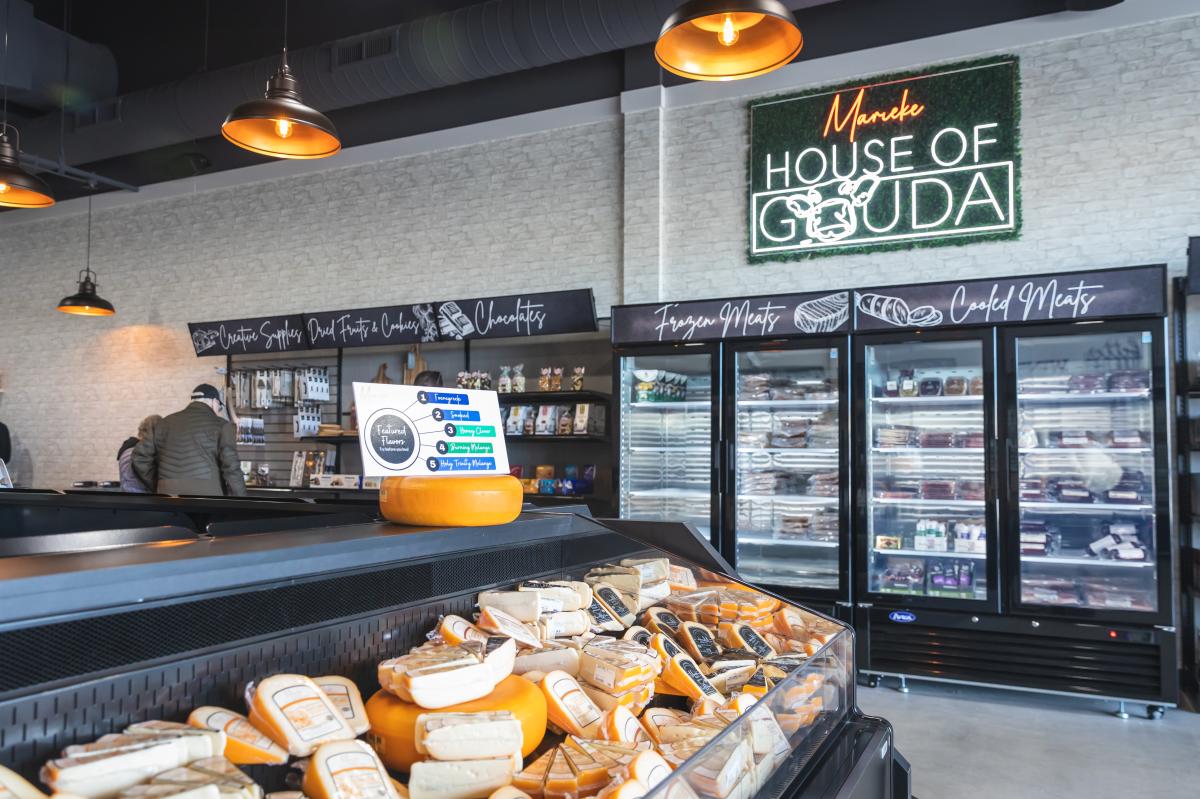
(1112,633)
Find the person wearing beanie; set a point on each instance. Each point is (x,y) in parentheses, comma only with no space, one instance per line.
(193,451)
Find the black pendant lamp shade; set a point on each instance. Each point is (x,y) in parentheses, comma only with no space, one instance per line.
(728,39)
(86,302)
(18,188)
(280,125)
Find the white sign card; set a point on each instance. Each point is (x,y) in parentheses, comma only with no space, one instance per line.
(419,430)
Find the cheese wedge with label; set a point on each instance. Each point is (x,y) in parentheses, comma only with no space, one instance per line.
(459,779)
(568,706)
(649,768)
(652,594)
(581,589)
(626,579)
(563,624)
(96,773)
(621,726)
(298,714)
(216,771)
(197,744)
(565,595)
(666,648)
(554,657)
(789,622)
(652,570)
(438,676)
(524,606)
(740,703)
(657,717)
(532,778)
(494,620)
(602,618)
(346,697)
(347,770)
(758,684)
(561,782)
(612,601)
(722,770)
(730,680)
(698,640)
(683,673)
(661,620)
(174,729)
(614,670)
(639,634)
(626,789)
(681,579)
(741,635)
(245,744)
(468,736)
(591,773)
(635,699)
(13,786)
(456,629)
(499,652)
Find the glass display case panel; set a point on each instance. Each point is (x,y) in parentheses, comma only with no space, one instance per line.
(927,519)
(787,467)
(1085,443)
(666,423)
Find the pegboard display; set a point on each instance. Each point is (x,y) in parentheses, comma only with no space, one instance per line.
(162,662)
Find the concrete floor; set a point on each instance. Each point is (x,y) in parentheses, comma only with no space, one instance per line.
(988,744)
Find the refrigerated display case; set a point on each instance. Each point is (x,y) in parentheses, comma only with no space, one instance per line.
(926,443)
(786,520)
(668,429)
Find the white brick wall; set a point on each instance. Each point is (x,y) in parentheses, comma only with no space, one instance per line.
(646,207)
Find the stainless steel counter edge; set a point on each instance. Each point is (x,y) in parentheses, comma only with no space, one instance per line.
(46,586)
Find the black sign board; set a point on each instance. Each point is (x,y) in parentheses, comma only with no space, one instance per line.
(814,313)
(260,334)
(1061,297)
(517,315)
(370,327)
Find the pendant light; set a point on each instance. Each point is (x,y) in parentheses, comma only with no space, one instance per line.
(728,39)
(18,188)
(279,124)
(86,302)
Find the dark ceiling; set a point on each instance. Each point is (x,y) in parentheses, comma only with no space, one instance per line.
(156,42)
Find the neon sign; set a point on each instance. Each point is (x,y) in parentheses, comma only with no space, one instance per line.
(913,160)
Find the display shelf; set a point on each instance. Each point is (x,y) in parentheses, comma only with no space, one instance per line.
(670,493)
(671,449)
(789,450)
(925,553)
(345,438)
(562,497)
(1077,450)
(933,450)
(1086,507)
(1081,560)
(535,438)
(552,397)
(941,399)
(930,592)
(782,403)
(1108,396)
(798,543)
(940,503)
(789,498)
(682,405)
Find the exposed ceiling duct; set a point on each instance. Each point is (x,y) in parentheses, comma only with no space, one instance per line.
(492,38)
(41,56)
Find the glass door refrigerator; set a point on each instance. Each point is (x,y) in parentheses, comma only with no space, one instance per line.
(926,506)
(785,519)
(668,406)
(1088,501)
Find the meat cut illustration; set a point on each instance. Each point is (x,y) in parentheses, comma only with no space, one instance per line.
(895,311)
(824,314)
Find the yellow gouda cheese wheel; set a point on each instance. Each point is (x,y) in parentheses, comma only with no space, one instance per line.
(451,501)
(394,721)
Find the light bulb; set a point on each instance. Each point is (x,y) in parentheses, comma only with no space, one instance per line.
(4,187)
(283,128)
(729,34)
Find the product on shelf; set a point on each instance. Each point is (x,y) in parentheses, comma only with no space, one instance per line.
(936,439)
(895,436)
(577,373)
(504,381)
(345,696)
(939,489)
(657,385)
(930,387)
(1126,439)
(1124,381)
(245,744)
(1037,538)
(295,713)
(518,378)
(346,768)
(450,501)
(1087,384)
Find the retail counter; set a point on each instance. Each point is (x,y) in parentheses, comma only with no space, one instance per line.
(92,642)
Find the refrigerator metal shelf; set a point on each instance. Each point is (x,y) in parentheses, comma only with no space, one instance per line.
(793,403)
(789,450)
(1089,450)
(931,450)
(786,542)
(682,405)
(671,493)
(925,553)
(1086,507)
(939,503)
(936,400)
(1059,560)
(790,498)
(1108,396)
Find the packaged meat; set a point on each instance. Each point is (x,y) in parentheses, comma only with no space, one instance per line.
(930,387)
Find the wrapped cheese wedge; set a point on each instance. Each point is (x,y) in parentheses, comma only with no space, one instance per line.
(635,699)
(621,726)
(524,606)
(758,684)
(626,579)
(657,717)
(569,707)
(552,657)
(201,744)
(15,786)
(468,736)
(347,770)
(683,673)
(652,570)
(229,780)
(723,770)
(730,680)
(741,703)
(346,697)
(623,789)
(661,620)
(438,676)
(591,773)
(245,744)
(698,641)
(581,589)
(678,753)
(563,624)
(740,635)
(602,618)
(95,773)
(620,753)
(172,729)
(612,601)
(531,779)
(499,652)
(561,782)
(459,779)
(509,792)
(455,630)
(649,768)
(296,714)
(681,579)
(617,670)
(639,634)
(173,791)
(653,593)
(497,622)
(564,595)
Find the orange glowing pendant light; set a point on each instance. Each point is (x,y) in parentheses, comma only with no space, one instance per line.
(18,188)
(86,302)
(728,39)
(279,124)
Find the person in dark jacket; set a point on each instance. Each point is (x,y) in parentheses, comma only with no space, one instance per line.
(193,451)
(5,444)
(130,482)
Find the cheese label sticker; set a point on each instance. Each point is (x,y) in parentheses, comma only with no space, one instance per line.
(308,715)
(705,644)
(340,696)
(599,613)
(690,669)
(613,601)
(417,430)
(754,641)
(605,675)
(356,775)
(237,727)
